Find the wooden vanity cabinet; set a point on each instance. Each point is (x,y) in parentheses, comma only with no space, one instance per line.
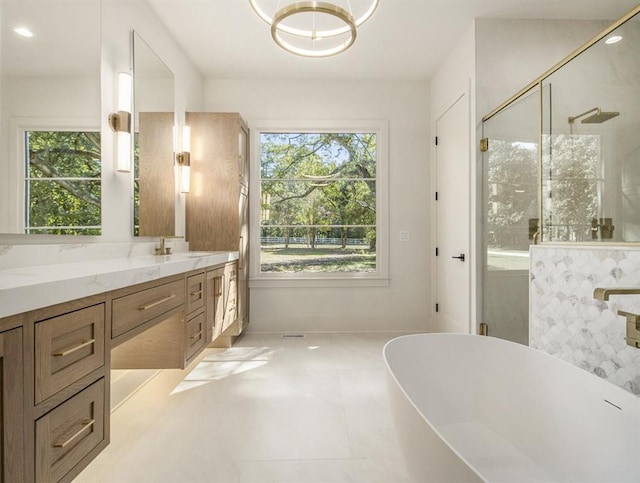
(68,415)
(55,364)
(160,324)
(148,325)
(12,412)
(217,216)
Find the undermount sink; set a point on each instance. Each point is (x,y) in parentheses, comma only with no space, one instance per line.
(192,254)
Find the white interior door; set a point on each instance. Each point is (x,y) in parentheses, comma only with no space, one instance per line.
(453,291)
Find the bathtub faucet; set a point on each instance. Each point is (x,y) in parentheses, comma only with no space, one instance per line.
(605,293)
(633,320)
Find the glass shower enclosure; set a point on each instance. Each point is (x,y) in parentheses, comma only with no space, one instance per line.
(510,211)
(561,164)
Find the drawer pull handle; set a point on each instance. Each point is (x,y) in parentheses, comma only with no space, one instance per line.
(199,292)
(197,336)
(157,302)
(73,349)
(87,423)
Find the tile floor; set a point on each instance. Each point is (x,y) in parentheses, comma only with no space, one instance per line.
(268,410)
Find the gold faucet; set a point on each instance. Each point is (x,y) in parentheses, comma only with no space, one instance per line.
(633,328)
(633,320)
(162,250)
(605,293)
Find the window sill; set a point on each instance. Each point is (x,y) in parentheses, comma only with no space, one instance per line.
(310,282)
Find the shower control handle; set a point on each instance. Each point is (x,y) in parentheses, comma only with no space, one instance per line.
(460,257)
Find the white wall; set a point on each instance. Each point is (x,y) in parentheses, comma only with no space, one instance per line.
(511,53)
(404,304)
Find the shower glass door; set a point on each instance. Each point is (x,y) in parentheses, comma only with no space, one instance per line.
(510,215)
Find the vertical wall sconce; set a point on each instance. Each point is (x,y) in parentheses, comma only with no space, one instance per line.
(120,122)
(183,156)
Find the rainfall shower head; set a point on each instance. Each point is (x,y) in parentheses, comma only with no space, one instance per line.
(597,116)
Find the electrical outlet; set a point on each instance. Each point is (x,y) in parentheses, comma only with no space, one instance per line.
(405,236)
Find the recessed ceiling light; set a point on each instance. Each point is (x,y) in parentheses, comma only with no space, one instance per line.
(614,39)
(23,31)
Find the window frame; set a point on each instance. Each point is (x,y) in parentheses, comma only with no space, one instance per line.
(19,127)
(380,277)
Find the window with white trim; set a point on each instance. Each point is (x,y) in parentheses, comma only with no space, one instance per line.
(322,201)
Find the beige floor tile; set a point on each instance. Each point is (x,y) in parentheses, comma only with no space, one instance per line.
(305,410)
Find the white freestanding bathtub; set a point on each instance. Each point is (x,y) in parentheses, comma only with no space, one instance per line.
(472,408)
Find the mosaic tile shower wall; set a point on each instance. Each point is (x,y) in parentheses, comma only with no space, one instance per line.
(567,322)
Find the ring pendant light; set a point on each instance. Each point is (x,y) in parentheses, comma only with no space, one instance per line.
(286,34)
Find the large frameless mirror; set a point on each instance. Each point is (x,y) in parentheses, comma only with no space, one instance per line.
(50,105)
(154,185)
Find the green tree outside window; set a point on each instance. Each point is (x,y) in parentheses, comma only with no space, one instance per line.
(318,193)
(63,183)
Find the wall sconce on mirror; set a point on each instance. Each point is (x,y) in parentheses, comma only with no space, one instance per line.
(182,147)
(120,122)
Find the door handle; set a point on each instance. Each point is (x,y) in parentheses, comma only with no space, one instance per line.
(460,257)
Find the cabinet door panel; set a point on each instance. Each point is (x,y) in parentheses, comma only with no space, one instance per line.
(230,295)
(215,304)
(12,410)
(67,348)
(195,292)
(195,337)
(66,434)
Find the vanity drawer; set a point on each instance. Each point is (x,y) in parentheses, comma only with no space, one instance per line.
(132,310)
(196,333)
(195,292)
(65,435)
(67,348)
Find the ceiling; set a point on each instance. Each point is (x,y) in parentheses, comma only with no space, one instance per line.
(54,51)
(405,39)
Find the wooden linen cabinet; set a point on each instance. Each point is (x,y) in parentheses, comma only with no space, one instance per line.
(217,205)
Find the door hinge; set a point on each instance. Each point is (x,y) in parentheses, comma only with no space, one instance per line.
(484,144)
(436,251)
(437,308)
(436,140)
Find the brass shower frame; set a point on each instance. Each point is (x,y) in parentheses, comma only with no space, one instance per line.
(538,82)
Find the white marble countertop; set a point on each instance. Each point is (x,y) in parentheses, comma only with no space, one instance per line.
(28,288)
